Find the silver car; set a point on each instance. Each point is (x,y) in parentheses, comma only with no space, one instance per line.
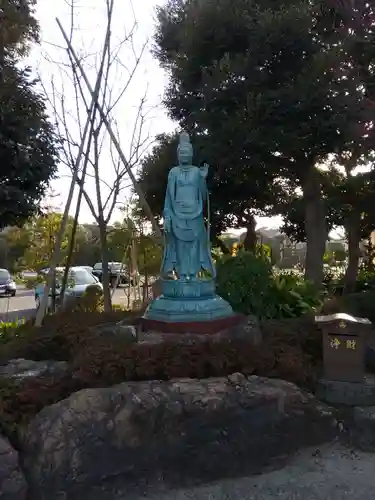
(7,283)
(78,281)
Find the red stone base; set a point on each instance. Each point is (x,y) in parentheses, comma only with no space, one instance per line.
(196,327)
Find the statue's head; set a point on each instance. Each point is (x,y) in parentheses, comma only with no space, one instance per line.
(185,150)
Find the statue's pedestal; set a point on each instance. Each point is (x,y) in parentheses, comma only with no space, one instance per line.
(189,307)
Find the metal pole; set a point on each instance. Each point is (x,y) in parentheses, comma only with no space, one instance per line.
(114,140)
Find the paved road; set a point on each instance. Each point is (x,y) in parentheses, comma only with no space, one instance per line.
(23,304)
(330,473)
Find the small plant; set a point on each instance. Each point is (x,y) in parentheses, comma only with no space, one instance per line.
(92,301)
(19,279)
(10,330)
(292,297)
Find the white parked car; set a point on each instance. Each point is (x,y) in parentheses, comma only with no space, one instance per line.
(78,281)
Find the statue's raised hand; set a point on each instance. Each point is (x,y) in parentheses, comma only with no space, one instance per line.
(204,169)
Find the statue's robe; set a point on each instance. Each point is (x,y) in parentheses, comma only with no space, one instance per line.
(187,250)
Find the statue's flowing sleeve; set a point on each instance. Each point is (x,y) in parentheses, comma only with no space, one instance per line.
(169,194)
(169,258)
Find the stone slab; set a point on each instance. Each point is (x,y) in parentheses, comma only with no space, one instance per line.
(361,428)
(247,329)
(143,436)
(20,369)
(347,393)
(195,327)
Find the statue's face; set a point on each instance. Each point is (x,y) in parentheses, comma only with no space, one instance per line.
(184,157)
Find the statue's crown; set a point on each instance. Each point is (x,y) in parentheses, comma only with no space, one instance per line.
(184,139)
(185,144)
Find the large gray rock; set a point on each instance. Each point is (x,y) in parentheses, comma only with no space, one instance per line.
(156,435)
(21,369)
(12,481)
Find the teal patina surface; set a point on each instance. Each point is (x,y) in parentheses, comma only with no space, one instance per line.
(187,271)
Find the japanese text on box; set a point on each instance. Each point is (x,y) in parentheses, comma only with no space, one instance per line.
(335,343)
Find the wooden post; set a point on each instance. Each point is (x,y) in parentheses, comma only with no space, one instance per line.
(56,256)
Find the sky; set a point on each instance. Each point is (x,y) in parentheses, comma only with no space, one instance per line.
(50,63)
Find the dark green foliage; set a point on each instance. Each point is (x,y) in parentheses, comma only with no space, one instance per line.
(259,78)
(345,195)
(271,87)
(154,170)
(27,147)
(248,283)
(230,204)
(244,281)
(28,152)
(365,282)
(18,26)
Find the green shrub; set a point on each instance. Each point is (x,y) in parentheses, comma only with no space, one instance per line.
(291,297)
(249,284)
(365,280)
(244,281)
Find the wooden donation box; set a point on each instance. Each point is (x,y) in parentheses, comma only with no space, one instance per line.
(344,343)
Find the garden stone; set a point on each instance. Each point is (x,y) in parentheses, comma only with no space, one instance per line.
(126,331)
(12,481)
(156,435)
(21,369)
(338,392)
(248,330)
(121,329)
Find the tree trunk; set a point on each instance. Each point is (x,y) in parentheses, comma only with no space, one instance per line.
(315,227)
(250,241)
(354,238)
(102,223)
(220,243)
(105,270)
